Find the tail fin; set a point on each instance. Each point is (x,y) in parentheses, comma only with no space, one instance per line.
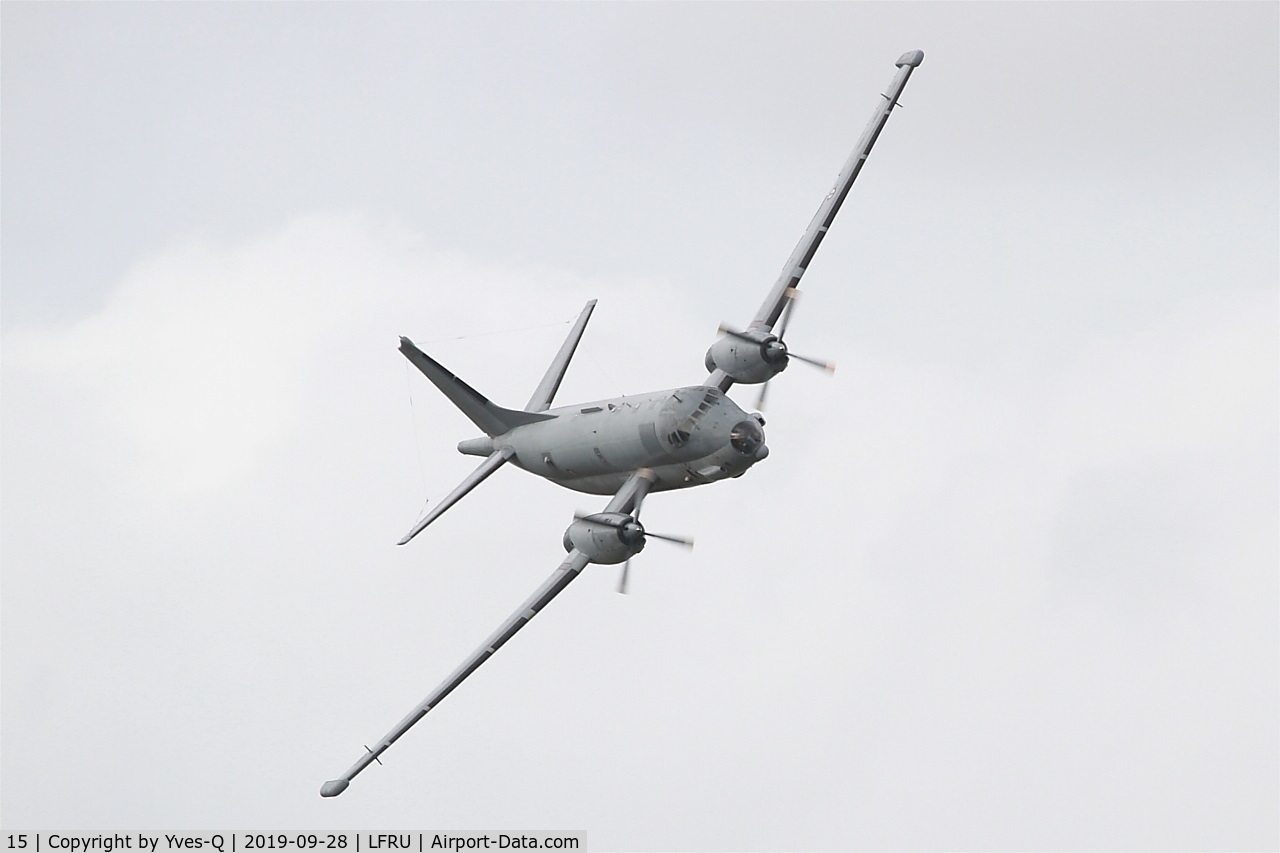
(546,391)
(494,420)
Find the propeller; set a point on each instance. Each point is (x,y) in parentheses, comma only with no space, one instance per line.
(776,349)
(632,527)
(626,567)
(629,529)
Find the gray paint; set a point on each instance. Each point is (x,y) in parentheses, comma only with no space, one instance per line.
(631,433)
(1048,458)
(626,446)
(546,390)
(625,501)
(736,360)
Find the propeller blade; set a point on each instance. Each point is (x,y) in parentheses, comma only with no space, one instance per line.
(679,540)
(828,366)
(635,516)
(792,294)
(764,390)
(735,333)
(622,582)
(626,567)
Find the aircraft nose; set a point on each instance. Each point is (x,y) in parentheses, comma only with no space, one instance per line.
(746,437)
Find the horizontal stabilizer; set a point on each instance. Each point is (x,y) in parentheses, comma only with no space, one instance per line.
(475,478)
(494,420)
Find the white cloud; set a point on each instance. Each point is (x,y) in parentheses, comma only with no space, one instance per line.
(203,355)
(197,356)
(1008,581)
(943,592)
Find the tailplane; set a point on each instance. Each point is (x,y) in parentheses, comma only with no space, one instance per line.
(493,419)
(495,461)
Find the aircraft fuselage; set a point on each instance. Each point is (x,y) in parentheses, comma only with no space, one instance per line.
(685,436)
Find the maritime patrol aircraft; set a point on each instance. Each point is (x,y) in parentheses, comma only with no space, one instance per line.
(631,446)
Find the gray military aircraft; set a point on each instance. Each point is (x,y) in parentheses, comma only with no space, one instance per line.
(629,446)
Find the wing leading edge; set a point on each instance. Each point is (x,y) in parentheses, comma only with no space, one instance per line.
(564,574)
(634,488)
(774,303)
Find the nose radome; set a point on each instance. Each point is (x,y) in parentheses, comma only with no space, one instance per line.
(746,437)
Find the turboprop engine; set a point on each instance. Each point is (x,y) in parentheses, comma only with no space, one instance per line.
(756,356)
(748,359)
(606,537)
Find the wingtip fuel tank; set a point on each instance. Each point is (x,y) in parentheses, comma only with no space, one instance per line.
(334,787)
(912,58)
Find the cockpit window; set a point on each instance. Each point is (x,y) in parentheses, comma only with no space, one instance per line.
(746,437)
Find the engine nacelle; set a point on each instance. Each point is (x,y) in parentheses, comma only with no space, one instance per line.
(606,537)
(748,360)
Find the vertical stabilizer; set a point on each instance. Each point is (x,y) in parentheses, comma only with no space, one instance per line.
(541,399)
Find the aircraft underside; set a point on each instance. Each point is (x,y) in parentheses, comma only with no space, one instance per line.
(667,478)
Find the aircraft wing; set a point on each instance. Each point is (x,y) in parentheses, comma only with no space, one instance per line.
(634,488)
(791,274)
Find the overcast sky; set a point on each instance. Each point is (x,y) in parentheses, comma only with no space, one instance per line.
(1008,580)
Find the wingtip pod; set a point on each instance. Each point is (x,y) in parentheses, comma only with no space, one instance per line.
(334,787)
(911,57)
